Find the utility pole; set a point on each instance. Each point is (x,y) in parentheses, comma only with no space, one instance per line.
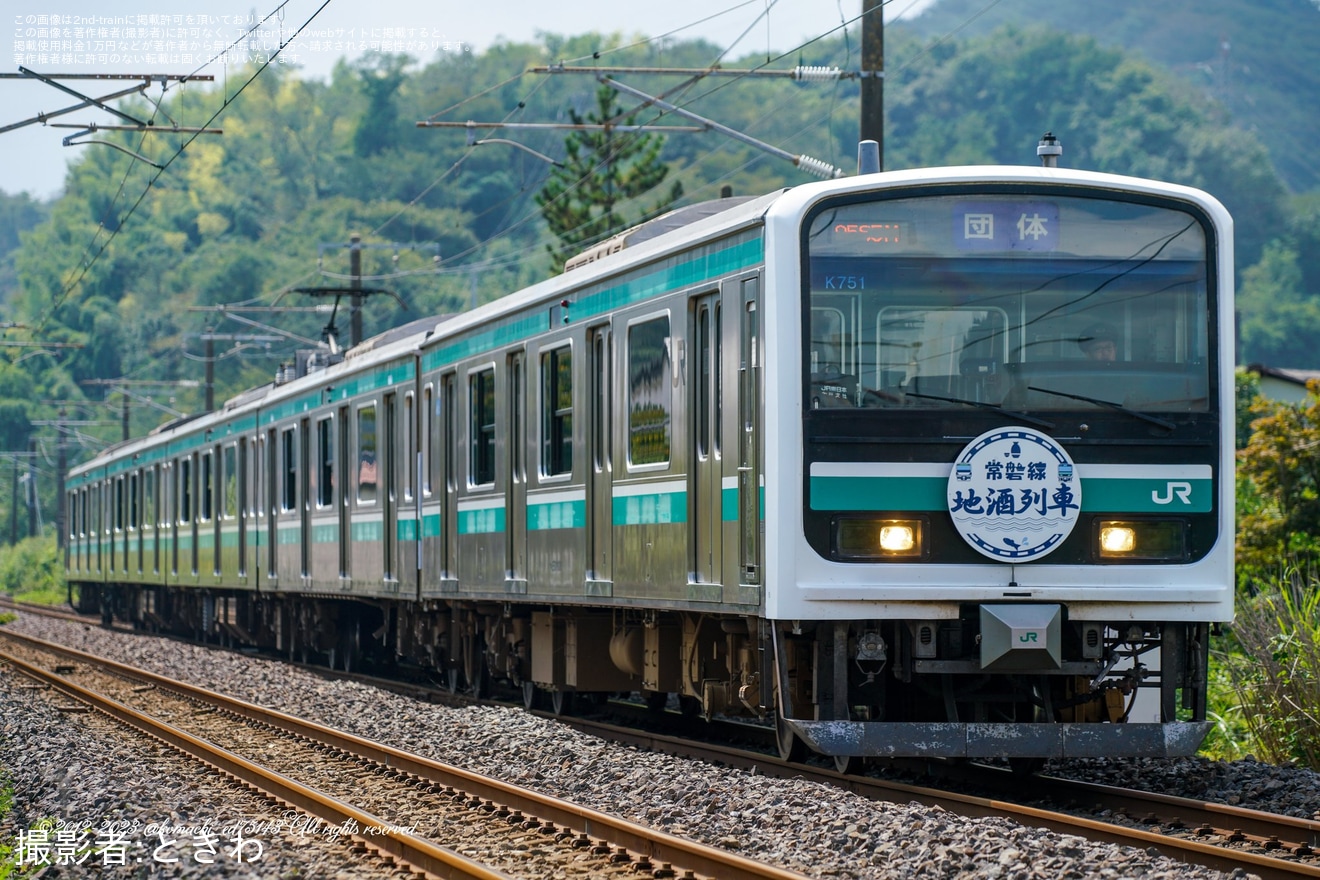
(122,386)
(15,457)
(13,511)
(210,369)
(355,270)
(209,339)
(356,292)
(61,536)
(873,74)
(32,488)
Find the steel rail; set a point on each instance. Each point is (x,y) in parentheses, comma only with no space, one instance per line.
(1256,823)
(1219,857)
(656,845)
(1190,812)
(417,852)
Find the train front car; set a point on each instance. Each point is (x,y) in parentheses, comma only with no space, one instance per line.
(1009,524)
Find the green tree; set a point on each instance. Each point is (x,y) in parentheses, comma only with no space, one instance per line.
(381,78)
(1282,464)
(581,202)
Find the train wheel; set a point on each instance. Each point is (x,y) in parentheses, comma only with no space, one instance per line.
(849,765)
(791,746)
(479,678)
(451,679)
(656,701)
(561,702)
(531,696)
(476,672)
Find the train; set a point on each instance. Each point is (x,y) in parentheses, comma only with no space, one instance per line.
(916,463)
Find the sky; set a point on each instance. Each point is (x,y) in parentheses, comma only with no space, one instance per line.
(145,37)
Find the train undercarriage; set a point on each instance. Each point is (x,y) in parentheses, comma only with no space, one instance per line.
(848,689)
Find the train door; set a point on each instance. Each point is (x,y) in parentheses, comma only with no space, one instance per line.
(211,511)
(241,506)
(749,440)
(271,507)
(342,497)
(600,475)
(390,499)
(302,498)
(706,472)
(449,476)
(170,516)
(257,504)
(116,521)
(515,512)
(410,514)
(135,528)
(188,509)
(430,492)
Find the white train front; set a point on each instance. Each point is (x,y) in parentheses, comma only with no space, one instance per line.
(933,462)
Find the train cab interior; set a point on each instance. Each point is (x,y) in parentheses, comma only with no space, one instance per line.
(918,356)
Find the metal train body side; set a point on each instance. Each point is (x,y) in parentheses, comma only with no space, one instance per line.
(613,481)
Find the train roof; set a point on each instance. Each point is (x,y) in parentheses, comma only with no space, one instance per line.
(728,217)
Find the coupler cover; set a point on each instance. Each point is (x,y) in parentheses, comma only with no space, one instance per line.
(1021,637)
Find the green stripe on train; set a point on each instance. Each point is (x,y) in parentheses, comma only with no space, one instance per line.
(660,507)
(1099,495)
(485,521)
(557,515)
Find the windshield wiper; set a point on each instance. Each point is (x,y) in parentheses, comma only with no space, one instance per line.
(1022,417)
(1145,417)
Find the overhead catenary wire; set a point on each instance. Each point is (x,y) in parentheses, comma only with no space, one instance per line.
(451,259)
(726,82)
(89,263)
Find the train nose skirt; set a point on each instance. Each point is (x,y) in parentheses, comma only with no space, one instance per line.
(900,739)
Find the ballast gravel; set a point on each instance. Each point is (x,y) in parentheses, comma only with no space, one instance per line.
(91,800)
(803,826)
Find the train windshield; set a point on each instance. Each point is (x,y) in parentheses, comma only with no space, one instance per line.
(1022,301)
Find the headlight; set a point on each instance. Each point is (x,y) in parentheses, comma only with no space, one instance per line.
(1144,540)
(1117,539)
(856,538)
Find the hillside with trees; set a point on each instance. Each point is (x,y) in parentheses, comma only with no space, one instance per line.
(1259,60)
(124,260)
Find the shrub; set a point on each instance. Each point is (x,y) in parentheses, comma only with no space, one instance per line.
(33,571)
(1276,671)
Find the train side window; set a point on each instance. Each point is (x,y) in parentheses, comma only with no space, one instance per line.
(481,428)
(650,392)
(185,490)
(167,499)
(409,472)
(430,440)
(445,407)
(289,485)
(207,475)
(557,412)
(325,459)
(367,478)
(149,497)
(229,499)
(133,499)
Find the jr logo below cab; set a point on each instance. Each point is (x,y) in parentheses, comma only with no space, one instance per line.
(1173,489)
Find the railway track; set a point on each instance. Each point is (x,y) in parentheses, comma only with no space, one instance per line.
(1220,836)
(492,829)
(1215,835)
